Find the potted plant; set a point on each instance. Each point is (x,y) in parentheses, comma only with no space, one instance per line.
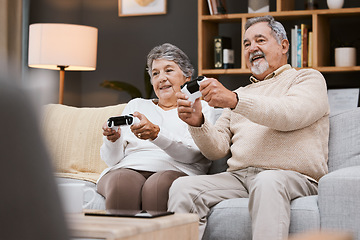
(132,90)
(345,54)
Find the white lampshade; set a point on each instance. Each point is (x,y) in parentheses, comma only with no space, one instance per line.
(52,45)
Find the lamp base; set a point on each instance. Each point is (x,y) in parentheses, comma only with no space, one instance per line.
(61,86)
(61,83)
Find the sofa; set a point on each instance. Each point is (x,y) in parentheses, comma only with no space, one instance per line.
(74,136)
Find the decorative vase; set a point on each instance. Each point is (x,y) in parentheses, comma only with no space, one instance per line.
(345,57)
(333,4)
(256,6)
(311,4)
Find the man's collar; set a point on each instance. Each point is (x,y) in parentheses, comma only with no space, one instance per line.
(273,74)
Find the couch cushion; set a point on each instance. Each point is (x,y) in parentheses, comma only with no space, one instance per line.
(305,215)
(344,141)
(230,219)
(74,137)
(218,166)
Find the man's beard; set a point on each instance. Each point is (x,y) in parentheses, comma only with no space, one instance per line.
(259,67)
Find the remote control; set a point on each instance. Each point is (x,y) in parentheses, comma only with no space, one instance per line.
(192,88)
(115,122)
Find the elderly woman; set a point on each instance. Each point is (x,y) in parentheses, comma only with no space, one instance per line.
(145,158)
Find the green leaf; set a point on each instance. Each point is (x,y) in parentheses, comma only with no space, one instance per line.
(133,91)
(148,86)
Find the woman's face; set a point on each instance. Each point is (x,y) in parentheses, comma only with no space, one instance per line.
(167,79)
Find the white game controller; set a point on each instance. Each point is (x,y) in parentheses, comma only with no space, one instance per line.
(191,89)
(125,120)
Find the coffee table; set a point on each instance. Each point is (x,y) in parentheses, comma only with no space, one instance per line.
(177,226)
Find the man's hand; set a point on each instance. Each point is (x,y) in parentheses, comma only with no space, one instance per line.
(188,112)
(217,95)
(111,134)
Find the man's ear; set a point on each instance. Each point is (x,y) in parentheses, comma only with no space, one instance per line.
(285,46)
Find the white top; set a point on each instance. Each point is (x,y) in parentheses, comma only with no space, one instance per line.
(173,149)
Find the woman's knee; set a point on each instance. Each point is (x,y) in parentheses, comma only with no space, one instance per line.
(162,180)
(122,179)
(159,183)
(121,188)
(155,191)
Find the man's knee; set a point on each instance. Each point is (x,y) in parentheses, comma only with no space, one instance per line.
(269,180)
(180,186)
(180,199)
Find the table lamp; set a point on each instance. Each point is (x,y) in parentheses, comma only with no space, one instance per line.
(59,46)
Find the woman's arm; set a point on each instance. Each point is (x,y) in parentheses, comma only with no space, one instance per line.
(113,147)
(112,152)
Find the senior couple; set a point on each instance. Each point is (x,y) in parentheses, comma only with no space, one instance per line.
(276,129)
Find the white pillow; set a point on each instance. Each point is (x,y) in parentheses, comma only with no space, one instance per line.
(74,136)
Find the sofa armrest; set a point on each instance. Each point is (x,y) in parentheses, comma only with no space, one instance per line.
(339,204)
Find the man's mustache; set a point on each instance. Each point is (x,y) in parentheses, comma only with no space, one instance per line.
(256,54)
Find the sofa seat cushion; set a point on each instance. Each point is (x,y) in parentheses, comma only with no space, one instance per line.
(74,137)
(230,219)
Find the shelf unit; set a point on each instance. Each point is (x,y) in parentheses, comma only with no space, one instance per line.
(208,28)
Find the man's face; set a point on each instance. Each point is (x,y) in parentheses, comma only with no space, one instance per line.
(263,54)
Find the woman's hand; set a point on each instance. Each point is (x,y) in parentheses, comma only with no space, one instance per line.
(144,129)
(111,134)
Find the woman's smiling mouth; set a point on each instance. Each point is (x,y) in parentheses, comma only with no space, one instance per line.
(165,87)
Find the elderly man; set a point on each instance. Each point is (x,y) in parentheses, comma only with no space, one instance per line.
(276,130)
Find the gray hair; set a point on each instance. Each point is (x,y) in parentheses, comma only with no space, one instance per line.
(277,29)
(170,52)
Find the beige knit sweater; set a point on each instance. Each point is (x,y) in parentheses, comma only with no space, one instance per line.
(281,122)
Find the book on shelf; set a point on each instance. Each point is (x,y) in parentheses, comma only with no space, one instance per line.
(304,45)
(294,46)
(301,46)
(298,47)
(310,49)
(220,43)
(211,6)
(221,6)
(217,6)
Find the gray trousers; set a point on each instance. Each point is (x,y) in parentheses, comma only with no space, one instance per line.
(269,191)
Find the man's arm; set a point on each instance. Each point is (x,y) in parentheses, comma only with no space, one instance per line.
(212,143)
(304,103)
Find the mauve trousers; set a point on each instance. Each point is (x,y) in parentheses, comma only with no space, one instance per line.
(269,191)
(137,190)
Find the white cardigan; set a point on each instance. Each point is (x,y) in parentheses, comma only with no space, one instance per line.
(173,149)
